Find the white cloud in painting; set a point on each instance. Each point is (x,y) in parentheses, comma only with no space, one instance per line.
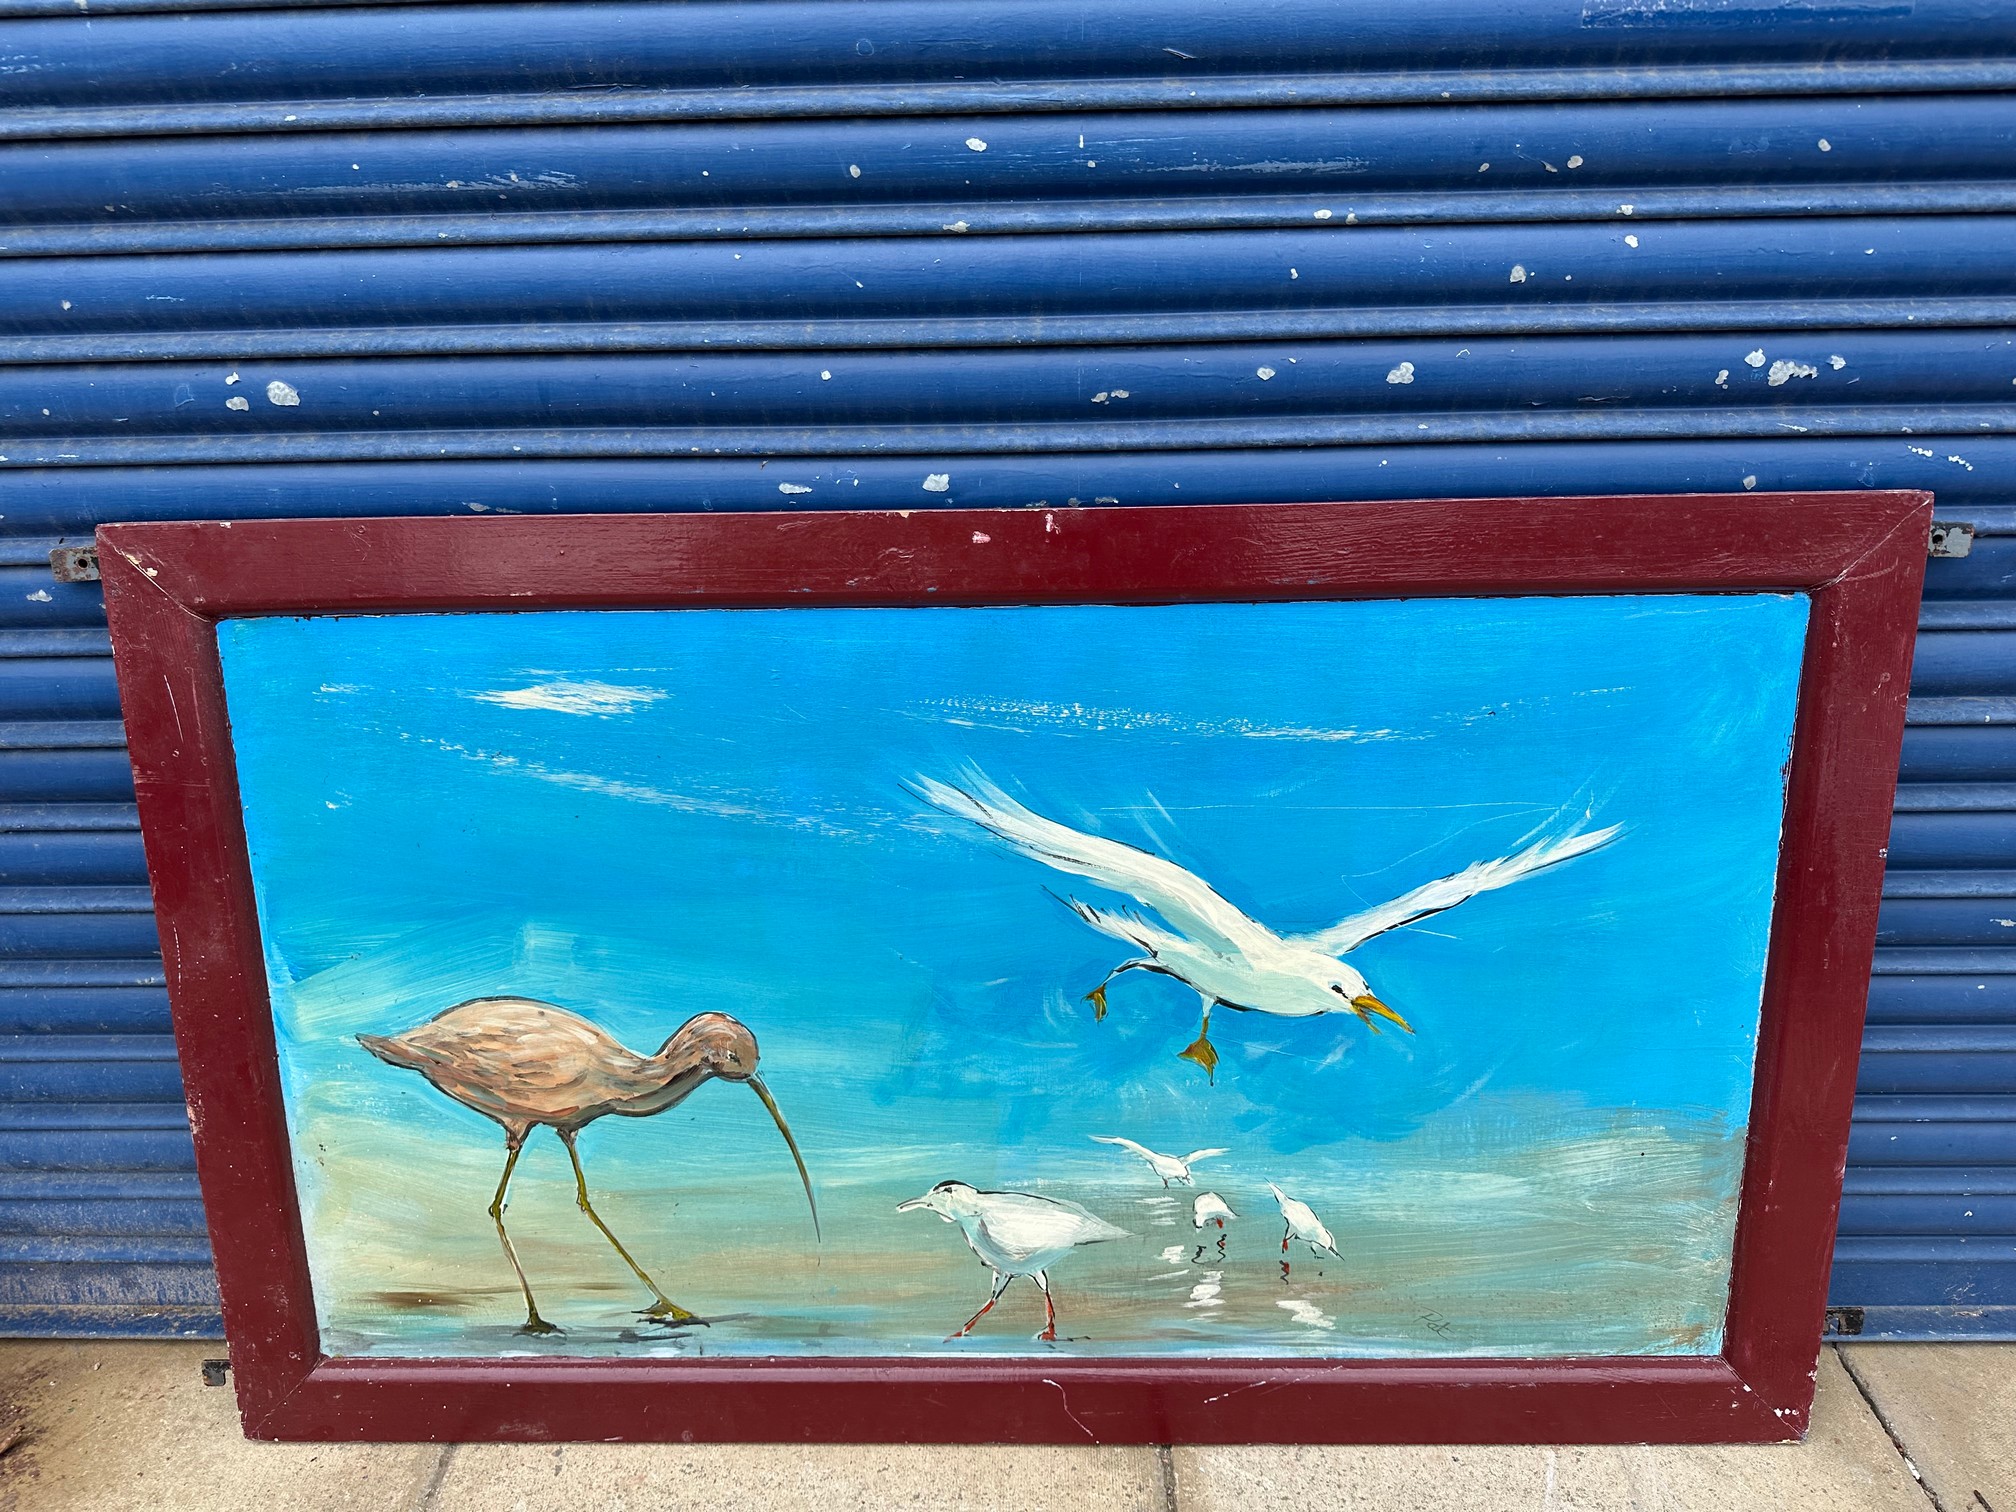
(1021,714)
(566,696)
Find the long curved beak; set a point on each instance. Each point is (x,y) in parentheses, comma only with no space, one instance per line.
(912,1205)
(756,1086)
(1366,1004)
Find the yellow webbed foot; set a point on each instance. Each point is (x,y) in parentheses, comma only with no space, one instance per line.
(1204,1053)
(1097,998)
(668,1310)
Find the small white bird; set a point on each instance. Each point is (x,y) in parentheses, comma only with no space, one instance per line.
(1209,1208)
(1168,1167)
(1302,1223)
(1014,1234)
(1227,957)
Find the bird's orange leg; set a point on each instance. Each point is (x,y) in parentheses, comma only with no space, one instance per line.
(534,1324)
(1201,1050)
(1049,1333)
(993,1296)
(664,1307)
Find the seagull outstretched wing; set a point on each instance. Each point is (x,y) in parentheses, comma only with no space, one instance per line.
(1182,898)
(1196,1155)
(1446,892)
(1126,1144)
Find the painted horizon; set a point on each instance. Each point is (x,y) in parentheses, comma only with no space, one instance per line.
(639,817)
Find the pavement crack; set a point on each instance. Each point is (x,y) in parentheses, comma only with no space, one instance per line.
(1889,1428)
(433,1487)
(1165,1457)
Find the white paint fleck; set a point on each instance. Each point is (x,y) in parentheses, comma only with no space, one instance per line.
(567,696)
(1264,373)
(1825,145)
(1294,273)
(356,167)
(1483,167)
(1548,166)
(230,378)
(1626,209)
(1722,378)
(283,394)
(1754,359)
(792,488)
(1122,393)
(41,596)
(825,373)
(958,225)
(238,402)
(1837,362)
(1750,481)
(1518,273)
(1575,161)
(981,538)
(1961,460)
(1350,217)
(1322,215)
(1101,397)
(1401,374)
(853,170)
(1630,241)
(974,144)
(1923,451)
(937,482)
(1784,370)
(66,304)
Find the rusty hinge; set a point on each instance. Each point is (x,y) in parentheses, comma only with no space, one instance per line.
(1951,538)
(1843,1322)
(74,564)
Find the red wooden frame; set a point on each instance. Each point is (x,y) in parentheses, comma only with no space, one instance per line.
(1859,555)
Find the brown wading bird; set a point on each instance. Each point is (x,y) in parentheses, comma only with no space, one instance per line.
(525,1063)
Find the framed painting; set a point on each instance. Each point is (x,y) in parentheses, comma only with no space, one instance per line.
(1371,971)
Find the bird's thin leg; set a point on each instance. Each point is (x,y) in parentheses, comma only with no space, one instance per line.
(1201,1049)
(1097,996)
(1042,1279)
(534,1324)
(993,1295)
(664,1307)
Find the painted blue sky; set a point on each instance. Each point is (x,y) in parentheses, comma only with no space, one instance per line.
(644,815)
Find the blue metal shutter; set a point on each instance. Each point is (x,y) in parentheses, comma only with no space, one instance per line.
(263,259)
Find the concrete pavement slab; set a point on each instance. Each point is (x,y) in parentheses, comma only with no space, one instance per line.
(776,1478)
(1847,1464)
(130,1427)
(1953,1406)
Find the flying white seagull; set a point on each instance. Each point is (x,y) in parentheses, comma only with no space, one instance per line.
(1014,1234)
(1168,1167)
(1205,942)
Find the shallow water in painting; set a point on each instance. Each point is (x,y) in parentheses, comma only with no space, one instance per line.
(1454,1242)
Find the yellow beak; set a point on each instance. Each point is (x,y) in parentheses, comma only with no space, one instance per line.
(1366,1005)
